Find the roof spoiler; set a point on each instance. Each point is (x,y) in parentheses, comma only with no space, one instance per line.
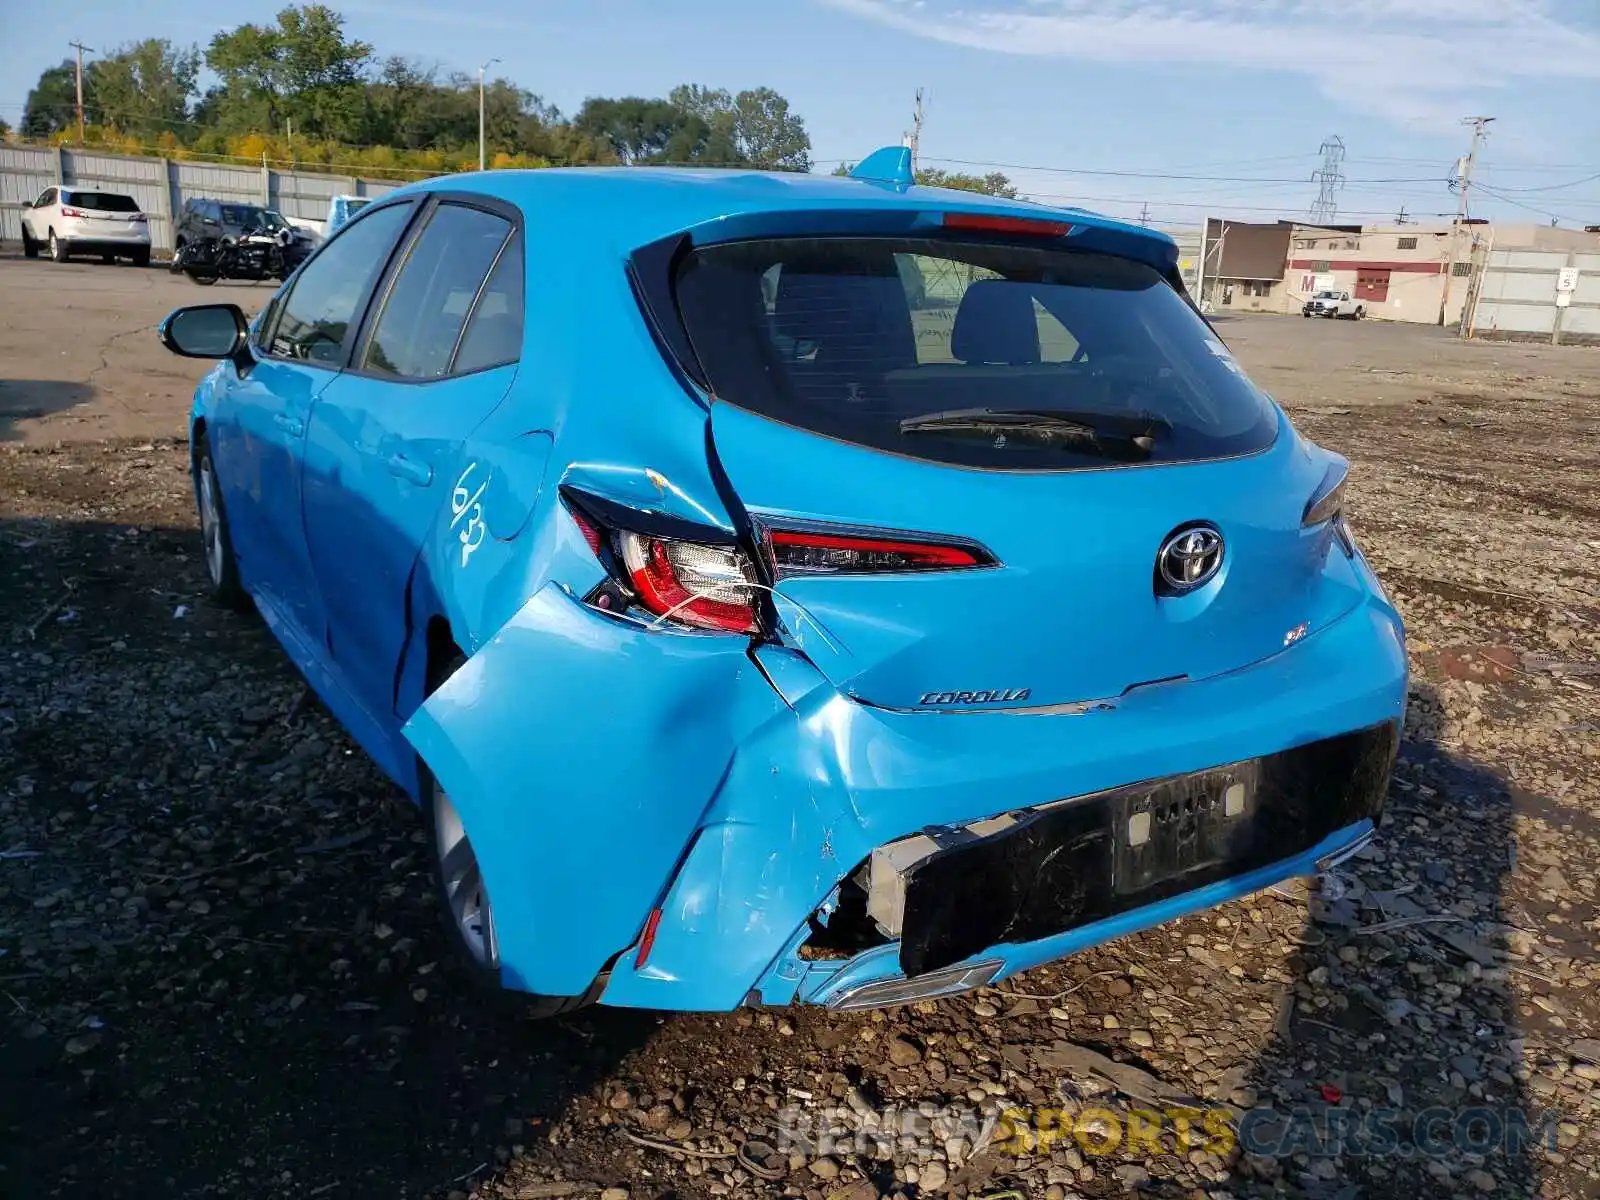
(891,165)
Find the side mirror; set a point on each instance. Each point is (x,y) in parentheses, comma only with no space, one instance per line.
(206,331)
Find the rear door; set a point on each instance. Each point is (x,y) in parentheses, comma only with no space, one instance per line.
(258,432)
(385,438)
(840,399)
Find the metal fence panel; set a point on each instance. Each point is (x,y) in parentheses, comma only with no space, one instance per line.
(25,171)
(304,198)
(1495,317)
(1517,294)
(1582,322)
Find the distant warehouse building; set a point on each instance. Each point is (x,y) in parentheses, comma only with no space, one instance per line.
(1396,272)
(1241,267)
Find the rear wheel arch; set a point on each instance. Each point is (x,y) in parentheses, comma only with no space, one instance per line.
(444,653)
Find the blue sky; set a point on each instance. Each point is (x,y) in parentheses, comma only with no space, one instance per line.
(1226,89)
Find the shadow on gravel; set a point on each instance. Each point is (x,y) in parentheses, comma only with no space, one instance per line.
(1393,1069)
(26,399)
(222,971)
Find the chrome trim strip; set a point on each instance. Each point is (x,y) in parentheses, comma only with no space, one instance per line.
(881,993)
(1329,861)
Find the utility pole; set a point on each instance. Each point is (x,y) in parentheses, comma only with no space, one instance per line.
(914,138)
(481,71)
(1144,214)
(80,48)
(1402,219)
(1479,132)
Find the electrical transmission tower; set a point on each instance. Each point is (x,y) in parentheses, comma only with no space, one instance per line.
(1329,180)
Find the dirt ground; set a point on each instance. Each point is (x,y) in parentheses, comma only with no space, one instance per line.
(220,971)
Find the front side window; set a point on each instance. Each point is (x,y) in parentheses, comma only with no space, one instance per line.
(893,343)
(242,215)
(316,315)
(435,292)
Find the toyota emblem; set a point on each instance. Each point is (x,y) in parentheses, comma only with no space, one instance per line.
(1188,558)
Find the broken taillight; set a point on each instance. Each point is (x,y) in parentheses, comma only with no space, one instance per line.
(701,584)
(709,587)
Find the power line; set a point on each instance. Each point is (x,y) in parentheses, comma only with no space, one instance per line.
(1543,212)
(1176,176)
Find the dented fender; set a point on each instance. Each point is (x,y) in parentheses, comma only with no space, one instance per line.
(582,751)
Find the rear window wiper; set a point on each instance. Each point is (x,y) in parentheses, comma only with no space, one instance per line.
(1131,437)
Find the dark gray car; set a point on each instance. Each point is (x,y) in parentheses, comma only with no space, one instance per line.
(202,219)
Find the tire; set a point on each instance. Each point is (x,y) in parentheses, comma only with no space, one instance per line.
(203,278)
(222,569)
(464,905)
(141,258)
(1360,312)
(30,248)
(58,248)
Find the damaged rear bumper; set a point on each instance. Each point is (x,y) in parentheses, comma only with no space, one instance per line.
(606,771)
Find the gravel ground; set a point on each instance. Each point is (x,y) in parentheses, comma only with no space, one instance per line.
(220,971)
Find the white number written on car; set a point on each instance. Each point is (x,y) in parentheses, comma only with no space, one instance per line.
(468,504)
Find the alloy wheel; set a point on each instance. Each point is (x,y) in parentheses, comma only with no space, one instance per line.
(211,521)
(464,889)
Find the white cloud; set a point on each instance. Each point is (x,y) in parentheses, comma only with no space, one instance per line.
(1406,60)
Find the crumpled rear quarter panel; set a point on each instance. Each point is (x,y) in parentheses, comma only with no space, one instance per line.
(581,751)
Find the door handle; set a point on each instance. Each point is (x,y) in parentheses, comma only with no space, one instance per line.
(293,426)
(406,468)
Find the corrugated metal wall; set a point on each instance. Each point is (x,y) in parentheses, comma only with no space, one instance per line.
(1516,296)
(161,186)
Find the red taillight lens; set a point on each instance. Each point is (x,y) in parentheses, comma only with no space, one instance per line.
(708,587)
(803,552)
(68,211)
(591,531)
(701,584)
(988,223)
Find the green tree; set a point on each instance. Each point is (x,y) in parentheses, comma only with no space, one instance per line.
(754,128)
(640,130)
(769,136)
(5,130)
(303,69)
(992,184)
(52,105)
(143,89)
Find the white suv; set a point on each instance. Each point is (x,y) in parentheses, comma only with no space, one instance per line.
(68,221)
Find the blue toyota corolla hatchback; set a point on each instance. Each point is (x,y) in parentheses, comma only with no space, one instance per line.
(778,589)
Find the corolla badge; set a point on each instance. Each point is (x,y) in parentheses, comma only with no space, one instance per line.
(1189,557)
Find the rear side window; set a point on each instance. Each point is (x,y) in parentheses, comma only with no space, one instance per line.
(316,314)
(435,292)
(901,344)
(103,202)
(494,334)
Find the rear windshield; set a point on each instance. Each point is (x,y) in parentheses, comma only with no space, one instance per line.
(242,214)
(911,345)
(103,202)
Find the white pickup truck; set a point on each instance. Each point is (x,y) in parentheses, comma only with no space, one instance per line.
(1333,304)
